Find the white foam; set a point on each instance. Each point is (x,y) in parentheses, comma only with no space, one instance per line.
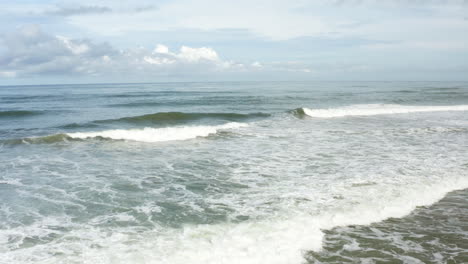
(286,239)
(158,134)
(378,109)
(287,207)
(280,240)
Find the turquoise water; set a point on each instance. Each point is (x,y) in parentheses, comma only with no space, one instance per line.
(248,172)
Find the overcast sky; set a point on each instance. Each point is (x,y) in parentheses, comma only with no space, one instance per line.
(144,41)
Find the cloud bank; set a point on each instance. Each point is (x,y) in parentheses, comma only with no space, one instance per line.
(287,40)
(29,51)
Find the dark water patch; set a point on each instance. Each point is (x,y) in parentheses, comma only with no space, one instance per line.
(132,95)
(449,92)
(433,234)
(345,94)
(28,97)
(407,91)
(18,113)
(22,98)
(78,125)
(363,184)
(433,130)
(137,104)
(193,100)
(456,88)
(164,93)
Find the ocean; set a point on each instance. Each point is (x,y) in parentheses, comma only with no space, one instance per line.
(234,172)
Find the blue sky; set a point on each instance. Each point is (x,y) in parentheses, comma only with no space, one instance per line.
(144,41)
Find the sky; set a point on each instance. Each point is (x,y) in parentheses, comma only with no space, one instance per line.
(86,41)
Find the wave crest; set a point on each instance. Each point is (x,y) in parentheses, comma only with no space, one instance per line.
(376,109)
(157,134)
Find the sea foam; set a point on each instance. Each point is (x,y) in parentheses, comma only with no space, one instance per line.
(287,240)
(149,134)
(378,109)
(279,240)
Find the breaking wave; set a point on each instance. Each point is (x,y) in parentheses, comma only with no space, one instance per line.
(375,109)
(157,134)
(146,134)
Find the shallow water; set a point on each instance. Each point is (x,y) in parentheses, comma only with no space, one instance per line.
(230,172)
(431,234)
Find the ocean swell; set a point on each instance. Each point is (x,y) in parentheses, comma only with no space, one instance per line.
(18,113)
(180,116)
(169,118)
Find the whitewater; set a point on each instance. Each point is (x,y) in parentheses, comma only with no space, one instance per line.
(148,134)
(378,109)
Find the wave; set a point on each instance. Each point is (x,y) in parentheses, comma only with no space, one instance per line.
(157,134)
(180,116)
(147,134)
(169,118)
(38,140)
(18,113)
(30,97)
(374,109)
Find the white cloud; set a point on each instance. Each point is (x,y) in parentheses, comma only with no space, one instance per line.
(30,51)
(197,54)
(257,64)
(186,54)
(75,48)
(158,61)
(161,49)
(7,74)
(322,36)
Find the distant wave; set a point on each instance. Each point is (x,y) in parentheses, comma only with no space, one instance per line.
(374,109)
(19,113)
(157,134)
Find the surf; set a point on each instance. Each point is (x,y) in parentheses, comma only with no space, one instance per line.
(375,109)
(152,135)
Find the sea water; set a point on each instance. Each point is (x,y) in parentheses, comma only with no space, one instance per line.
(234,172)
